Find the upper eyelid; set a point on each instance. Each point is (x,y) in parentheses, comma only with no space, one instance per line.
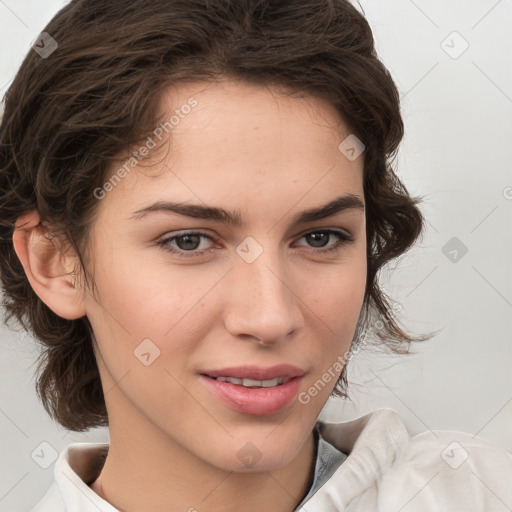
(184,232)
(328,229)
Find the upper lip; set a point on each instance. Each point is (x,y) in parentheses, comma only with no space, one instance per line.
(257,372)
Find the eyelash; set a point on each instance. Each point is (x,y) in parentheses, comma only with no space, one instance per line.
(344,238)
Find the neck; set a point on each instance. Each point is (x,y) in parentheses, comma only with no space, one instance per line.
(135,479)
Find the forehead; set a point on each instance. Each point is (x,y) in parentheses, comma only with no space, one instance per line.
(233,140)
(228,110)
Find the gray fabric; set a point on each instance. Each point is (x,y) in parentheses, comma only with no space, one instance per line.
(328,460)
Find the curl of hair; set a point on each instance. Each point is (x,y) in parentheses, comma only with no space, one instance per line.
(68,117)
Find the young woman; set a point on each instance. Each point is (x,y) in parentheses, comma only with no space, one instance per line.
(199,197)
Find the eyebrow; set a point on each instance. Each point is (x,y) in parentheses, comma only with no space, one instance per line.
(337,205)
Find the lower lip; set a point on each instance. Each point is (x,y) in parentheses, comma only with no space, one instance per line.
(254,401)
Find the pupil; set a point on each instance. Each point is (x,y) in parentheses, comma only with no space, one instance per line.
(318,239)
(191,242)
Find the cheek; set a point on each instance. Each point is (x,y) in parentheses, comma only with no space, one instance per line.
(334,312)
(169,307)
(336,297)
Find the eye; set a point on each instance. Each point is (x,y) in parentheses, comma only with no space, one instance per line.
(321,238)
(186,243)
(196,243)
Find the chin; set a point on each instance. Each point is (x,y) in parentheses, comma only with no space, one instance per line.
(258,453)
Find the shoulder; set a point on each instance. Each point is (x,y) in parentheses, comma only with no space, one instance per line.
(52,500)
(387,469)
(454,469)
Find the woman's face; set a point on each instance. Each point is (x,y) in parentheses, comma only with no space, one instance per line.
(224,303)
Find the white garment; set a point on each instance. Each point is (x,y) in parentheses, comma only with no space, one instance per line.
(386,471)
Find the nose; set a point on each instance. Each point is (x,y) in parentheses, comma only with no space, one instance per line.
(262,305)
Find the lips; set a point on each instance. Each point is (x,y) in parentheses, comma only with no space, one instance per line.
(254,390)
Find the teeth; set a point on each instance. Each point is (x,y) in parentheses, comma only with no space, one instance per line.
(270,383)
(251,383)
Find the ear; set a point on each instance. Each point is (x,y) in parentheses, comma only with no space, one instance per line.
(49,271)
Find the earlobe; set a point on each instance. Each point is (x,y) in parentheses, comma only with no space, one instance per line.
(48,270)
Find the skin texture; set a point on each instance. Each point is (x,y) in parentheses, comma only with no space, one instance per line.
(268,156)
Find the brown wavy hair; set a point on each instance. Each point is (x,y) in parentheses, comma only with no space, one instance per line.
(67,117)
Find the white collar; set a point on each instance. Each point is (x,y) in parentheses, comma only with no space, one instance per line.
(373,442)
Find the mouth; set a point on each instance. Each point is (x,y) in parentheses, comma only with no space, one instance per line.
(253,390)
(252,383)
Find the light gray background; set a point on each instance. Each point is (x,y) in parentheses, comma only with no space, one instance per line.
(456,154)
